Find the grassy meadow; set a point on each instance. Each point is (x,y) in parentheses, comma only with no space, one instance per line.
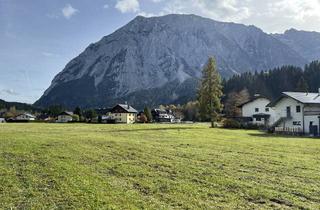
(81,166)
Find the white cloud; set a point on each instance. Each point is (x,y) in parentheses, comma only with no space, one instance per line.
(9,92)
(106,6)
(300,10)
(68,11)
(48,54)
(227,10)
(271,15)
(126,6)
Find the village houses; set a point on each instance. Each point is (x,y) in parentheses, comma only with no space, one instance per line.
(293,112)
(24,117)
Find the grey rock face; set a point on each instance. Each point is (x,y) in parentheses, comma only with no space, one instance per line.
(306,43)
(158,60)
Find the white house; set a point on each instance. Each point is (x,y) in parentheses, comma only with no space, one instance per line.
(297,112)
(257,112)
(25,117)
(2,120)
(65,117)
(124,113)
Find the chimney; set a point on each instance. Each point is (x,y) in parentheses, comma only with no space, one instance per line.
(128,106)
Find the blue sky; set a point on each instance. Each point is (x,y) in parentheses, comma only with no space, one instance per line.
(39,37)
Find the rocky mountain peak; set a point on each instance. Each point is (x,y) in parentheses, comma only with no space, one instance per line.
(159,60)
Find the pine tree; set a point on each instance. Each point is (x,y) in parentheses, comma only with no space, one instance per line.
(302,85)
(77,111)
(210,93)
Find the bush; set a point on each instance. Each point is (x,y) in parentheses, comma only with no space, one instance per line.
(250,126)
(75,118)
(231,123)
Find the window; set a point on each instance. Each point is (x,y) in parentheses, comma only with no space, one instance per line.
(267,109)
(258,119)
(256,109)
(298,109)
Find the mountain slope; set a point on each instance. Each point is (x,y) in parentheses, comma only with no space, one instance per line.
(161,58)
(304,42)
(17,105)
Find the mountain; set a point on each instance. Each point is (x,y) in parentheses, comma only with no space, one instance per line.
(17,105)
(306,43)
(158,60)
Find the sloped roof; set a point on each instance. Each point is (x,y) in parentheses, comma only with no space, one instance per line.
(127,108)
(66,113)
(302,97)
(27,114)
(253,99)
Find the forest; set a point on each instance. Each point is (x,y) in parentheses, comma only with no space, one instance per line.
(272,82)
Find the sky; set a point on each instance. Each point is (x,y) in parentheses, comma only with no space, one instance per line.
(39,37)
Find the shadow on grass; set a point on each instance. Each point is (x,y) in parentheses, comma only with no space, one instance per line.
(155,129)
(268,135)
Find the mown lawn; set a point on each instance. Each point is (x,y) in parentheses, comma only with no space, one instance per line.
(49,166)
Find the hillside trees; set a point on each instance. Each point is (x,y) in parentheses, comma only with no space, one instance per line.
(273,82)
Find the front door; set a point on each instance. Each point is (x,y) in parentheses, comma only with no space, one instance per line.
(288,111)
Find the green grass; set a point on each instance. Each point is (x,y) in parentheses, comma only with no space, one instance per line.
(49,166)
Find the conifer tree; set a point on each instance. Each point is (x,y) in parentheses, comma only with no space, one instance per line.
(302,85)
(210,93)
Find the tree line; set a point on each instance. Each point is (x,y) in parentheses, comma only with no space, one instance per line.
(271,83)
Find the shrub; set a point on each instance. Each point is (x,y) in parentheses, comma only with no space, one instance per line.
(231,123)
(75,118)
(250,126)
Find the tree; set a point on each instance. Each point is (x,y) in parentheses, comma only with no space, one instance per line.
(90,114)
(302,85)
(77,111)
(210,93)
(143,118)
(147,113)
(55,110)
(75,118)
(234,99)
(99,119)
(191,111)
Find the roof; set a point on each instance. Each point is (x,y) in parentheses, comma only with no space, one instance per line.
(127,108)
(302,97)
(102,111)
(253,99)
(66,113)
(27,114)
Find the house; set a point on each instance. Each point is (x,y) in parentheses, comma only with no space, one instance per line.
(297,112)
(25,117)
(124,113)
(257,112)
(160,115)
(65,117)
(2,120)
